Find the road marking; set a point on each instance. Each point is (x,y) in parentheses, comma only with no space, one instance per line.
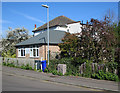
(53,82)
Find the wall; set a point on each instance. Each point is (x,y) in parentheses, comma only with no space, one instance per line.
(61,28)
(74,27)
(19,61)
(54,50)
(38,32)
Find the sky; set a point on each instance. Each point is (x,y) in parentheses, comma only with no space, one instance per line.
(27,14)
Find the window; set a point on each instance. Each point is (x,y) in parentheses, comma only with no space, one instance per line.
(34,51)
(21,52)
(67,30)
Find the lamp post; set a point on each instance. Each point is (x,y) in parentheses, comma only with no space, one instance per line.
(47,29)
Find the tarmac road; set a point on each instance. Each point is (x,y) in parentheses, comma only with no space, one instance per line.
(21,82)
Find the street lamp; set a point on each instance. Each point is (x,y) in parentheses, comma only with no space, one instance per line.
(47,28)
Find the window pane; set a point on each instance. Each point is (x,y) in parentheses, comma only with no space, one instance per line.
(21,52)
(24,52)
(34,52)
(31,54)
(37,52)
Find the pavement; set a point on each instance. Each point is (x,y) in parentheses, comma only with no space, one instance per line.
(87,83)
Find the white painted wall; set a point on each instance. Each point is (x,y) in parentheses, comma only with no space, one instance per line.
(72,28)
(53,28)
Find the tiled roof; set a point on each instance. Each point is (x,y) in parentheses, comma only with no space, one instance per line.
(58,21)
(55,38)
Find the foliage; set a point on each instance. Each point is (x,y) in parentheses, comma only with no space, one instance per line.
(9,64)
(23,66)
(27,67)
(105,76)
(88,70)
(112,66)
(69,48)
(4,64)
(13,37)
(59,74)
(95,42)
(40,70)
(55,72)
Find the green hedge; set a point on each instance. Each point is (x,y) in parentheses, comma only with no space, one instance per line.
(27,67)
(105,76)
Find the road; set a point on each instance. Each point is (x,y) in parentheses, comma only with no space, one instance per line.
(19,82)
(22,83)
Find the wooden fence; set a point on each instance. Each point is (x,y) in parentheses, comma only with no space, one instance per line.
(95,67)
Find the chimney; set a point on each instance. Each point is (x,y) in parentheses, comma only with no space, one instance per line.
(35,27)
(87,22)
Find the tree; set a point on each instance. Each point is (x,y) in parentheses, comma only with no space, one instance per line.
(69,47)
(96,42)
(13,37)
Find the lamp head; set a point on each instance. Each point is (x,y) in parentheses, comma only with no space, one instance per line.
(45,6)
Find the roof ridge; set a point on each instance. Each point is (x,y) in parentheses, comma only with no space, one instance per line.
(60,20)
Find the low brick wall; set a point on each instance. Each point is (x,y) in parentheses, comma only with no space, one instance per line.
(19,61)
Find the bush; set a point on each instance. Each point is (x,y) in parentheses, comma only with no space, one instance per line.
(105,76)
(55,72)
(59,74)
(112,66)
(46,70)
(30,68)
(22,67)
(40,70)
(27,67)
(4,64)
(88,70)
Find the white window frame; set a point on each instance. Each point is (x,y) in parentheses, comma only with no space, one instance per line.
(36,48)
(19,52)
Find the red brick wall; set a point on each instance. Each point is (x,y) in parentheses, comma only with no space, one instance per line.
(43,51)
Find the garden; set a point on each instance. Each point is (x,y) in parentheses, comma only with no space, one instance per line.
(98,43)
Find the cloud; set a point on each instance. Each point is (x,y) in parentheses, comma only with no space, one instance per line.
(28,17)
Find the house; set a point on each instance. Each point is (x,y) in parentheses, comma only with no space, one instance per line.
(60,23)
(36,47)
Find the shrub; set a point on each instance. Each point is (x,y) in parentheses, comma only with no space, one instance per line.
(40,70)
(59,74)
(105,76)
(88,70)
(30,68)
(27,67)
(112,66)
(46,70)
(22,67)
(4,64)
(55,72)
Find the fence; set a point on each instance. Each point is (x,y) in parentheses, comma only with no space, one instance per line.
(95,67)
(18,61)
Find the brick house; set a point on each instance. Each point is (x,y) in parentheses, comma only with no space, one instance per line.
(36,47)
